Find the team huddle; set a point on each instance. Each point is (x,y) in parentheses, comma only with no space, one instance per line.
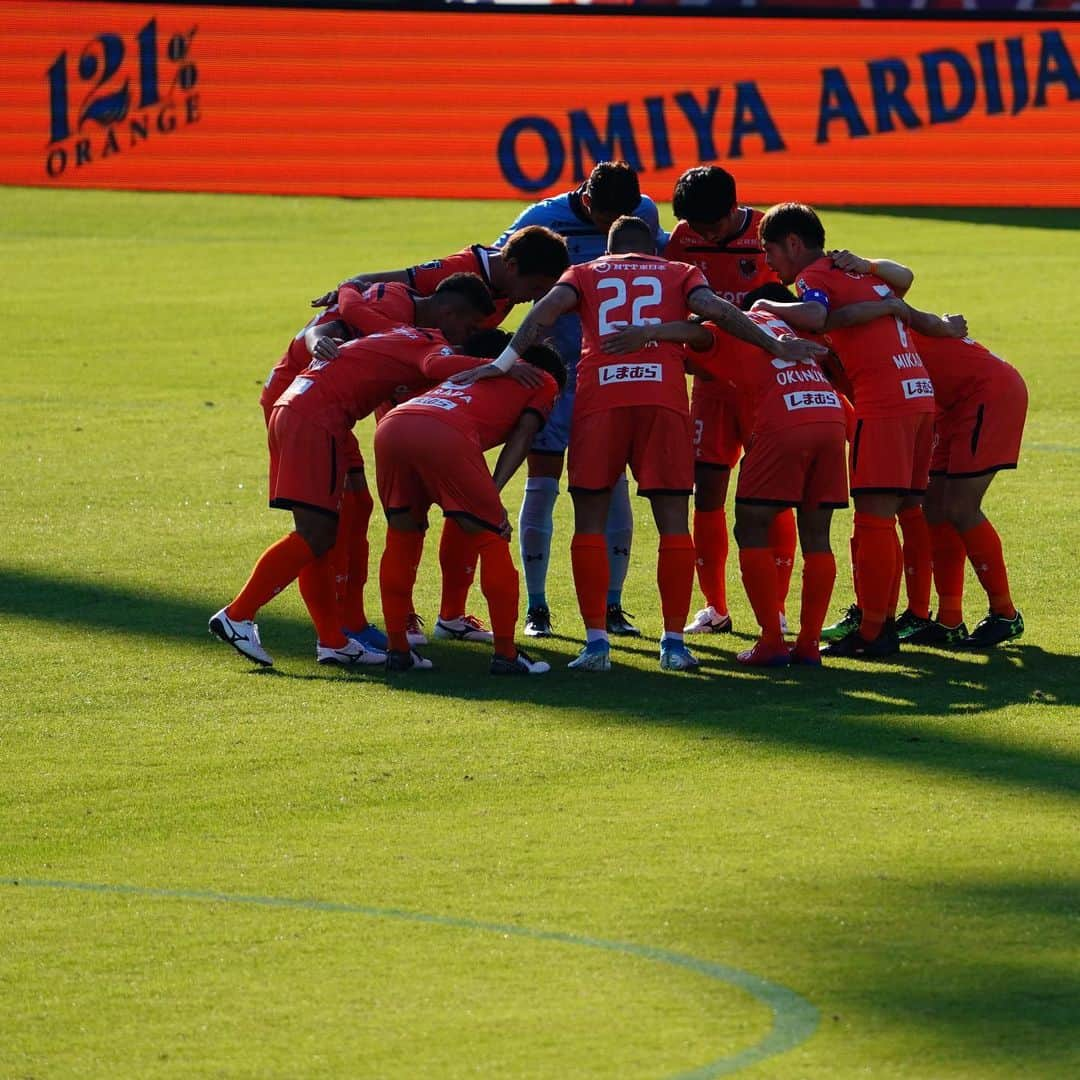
(837,387)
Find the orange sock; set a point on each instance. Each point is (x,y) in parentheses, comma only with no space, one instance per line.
(316,582)
(589,560)
(876,569)
(711,545)
(853,547)
(897,578)
(918,560)
(782,542)
(397,575)
(675,579)
(949,559)
(458,552)
(277,568)
(501,586)
(983,547)
(759,579)
(356,507)
(818,578)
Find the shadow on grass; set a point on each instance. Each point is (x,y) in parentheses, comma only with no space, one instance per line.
(888,712)
(1017,217)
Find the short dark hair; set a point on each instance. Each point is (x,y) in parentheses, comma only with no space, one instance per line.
(704,193)
(537,250)
(486,344)
(792,217)
(771,290)
(613,188)
(624,232)
(547,358)
(471,289)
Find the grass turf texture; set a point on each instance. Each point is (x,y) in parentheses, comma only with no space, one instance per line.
(895,843)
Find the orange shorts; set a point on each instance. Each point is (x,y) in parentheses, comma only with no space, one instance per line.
(890,455)
(420,460)
(802,465)
(655,442)
(982,434)
(717,439)
(307,469)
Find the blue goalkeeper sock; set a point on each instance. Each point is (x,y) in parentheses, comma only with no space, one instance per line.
(535,526)
(620,533)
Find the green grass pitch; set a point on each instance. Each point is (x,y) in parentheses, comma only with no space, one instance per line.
(211,871)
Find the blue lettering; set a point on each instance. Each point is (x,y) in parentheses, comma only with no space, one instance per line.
(658,130)
(1014,49)
(701,120)
(1055,65)
(990,77)
(837,103)
(553,148)
(583,135)
(932,63)
(752,118)
(889,81)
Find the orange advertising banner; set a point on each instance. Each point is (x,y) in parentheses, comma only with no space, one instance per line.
(499,105)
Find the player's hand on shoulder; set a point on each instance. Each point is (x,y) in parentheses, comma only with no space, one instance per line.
(526,375)
(799,350)
(900,308)
(849,261)
(957,324)
(327,348)
(630,339)
(326,299)
(475,374)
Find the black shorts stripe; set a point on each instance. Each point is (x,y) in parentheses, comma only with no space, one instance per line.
(715,465)
(855,446)
(976,431)
(294,504)
(497,529)
(981,472)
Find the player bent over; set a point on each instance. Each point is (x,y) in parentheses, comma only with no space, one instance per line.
(431,450)
(635,412)
(310,439)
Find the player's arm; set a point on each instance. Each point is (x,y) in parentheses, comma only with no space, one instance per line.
(558,301)
(634,338)
(866,311)
(947,326)
(732,321)
(800,315)
(362,281)
(322,341)
(897,276)
(516,448)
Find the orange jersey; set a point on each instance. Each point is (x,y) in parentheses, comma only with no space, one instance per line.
(335,394)
(630,290)
(376,309)
(772,393)
(733,267)
(485,411)
(959,368)
(879,358)
(473,260)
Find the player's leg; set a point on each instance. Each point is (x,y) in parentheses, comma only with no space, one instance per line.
(589,562)
(963,508)
(405,528)
(917,567)
(675,560)
(818,579)
(711,545)
(619,529)
(949,560)
(753,520)
(536,522)
(458,557)
(782,541)
(354,522)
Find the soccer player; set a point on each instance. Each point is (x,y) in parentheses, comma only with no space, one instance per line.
(431,450)
(719,235)
(894,407)
(582,217)
(353,314)
(634,412)
(310,434)
(794,460)
(518,272)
